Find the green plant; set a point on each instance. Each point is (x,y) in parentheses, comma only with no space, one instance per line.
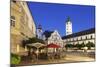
(89,45)
(15,59)
(32,40)
(78,46)
(83,45)
(69,46)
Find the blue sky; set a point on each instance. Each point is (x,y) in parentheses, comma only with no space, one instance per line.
(53,16)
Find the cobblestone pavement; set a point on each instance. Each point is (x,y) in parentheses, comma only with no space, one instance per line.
(69,58)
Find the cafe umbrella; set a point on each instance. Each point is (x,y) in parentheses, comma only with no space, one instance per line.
(55,46)
(37,46)
(53,51)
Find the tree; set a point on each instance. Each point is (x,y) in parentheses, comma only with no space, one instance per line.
(78,46)
(83,45)
(89,45)
(33,40)
(69,46)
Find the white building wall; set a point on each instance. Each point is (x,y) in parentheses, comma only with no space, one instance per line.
(68,28)
(80,39)
(55,38)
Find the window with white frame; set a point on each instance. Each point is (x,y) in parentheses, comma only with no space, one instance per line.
(91,37)
(13,20)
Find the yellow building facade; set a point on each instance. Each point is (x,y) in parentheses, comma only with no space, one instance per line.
(22,26)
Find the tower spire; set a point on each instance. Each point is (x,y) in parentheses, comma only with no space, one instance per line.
(68,19)
(39,26)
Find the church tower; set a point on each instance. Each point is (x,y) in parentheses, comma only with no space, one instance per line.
(39,32)
(68,26)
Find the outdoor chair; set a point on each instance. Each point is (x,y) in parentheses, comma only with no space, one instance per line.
(50,56)
(57,56)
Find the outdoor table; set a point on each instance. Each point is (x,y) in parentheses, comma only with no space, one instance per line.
(37,45)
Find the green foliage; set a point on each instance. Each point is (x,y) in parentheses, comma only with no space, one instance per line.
(89,45)
(80,46)
(69,46)
(83,45)
(15,59)
(32,40)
